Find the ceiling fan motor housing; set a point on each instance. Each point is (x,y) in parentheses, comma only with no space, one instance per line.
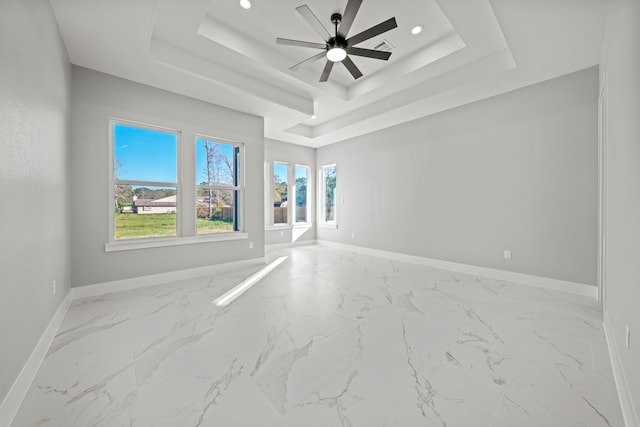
(338,40)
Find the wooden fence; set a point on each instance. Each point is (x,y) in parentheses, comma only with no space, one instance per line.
(224,213)
(280,214)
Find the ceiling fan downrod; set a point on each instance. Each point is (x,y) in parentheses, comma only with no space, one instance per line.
(336,45)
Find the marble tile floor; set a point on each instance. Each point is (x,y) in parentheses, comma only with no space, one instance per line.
(329,338)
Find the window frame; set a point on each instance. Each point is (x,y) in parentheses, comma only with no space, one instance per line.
(238,188)
(291,189)
(272,189)
(295,192)
(184,235)
(113,181)
(322,198)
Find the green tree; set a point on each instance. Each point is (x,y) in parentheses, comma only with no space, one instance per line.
(330,192)
(123,197)
(301,191)
(279,189)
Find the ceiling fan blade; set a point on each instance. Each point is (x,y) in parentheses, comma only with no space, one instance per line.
(315,23)
(369,53)
(308,60)
(327,70)
(301,43)
(355,71)
(348,16)
(382,27)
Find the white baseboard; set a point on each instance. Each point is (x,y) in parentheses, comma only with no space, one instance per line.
(509,276)
(156,279)
(624,395)
(12,401)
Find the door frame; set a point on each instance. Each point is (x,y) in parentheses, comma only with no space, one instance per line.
(601,278)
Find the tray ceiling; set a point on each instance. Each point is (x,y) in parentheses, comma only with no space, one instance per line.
(218,52)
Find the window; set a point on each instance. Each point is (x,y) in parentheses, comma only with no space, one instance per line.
(280,193)
(287,195)
(145,181)
(152,205)
(302,172)
(328,194)
(218,186)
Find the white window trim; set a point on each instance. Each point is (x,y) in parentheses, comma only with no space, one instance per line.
(306,223)
(180,238)
(287,224)
(291,188)
(321,194)
(113,181)
(158,242)
(240,187)
(268,204)
(303,225)
(278,227)
(328,225)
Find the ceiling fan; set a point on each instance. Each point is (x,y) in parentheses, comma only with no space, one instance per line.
(338,47)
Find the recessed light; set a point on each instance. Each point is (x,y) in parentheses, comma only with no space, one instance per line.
(416,30)
(245,4)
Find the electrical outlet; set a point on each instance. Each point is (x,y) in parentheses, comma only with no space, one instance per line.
(250,245)
(282,234)
(627,336)
(53,287)
(507,254)
(353,235)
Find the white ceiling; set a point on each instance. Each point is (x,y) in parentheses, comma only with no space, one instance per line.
(218,52)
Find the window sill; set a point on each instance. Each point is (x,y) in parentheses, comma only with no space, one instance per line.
(328,225)
(278,227)
(302,225)
(288,226)
(132,244)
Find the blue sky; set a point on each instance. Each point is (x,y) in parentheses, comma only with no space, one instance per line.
(145,155)
(301,172)
(201,161)
(281,170)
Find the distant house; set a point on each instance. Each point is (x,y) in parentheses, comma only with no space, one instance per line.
(148,206)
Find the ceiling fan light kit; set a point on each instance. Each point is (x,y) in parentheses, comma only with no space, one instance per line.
(336,54)
(338,47)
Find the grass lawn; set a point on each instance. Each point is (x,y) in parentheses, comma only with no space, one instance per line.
(206,225)
(158,225)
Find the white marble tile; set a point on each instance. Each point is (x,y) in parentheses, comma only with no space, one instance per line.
(67,395)
(290,375)
(329,338)
(217,393)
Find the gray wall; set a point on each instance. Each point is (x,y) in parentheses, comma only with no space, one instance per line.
(95,98)
(34,211)
(293,154)
(621,62)
(517,171)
